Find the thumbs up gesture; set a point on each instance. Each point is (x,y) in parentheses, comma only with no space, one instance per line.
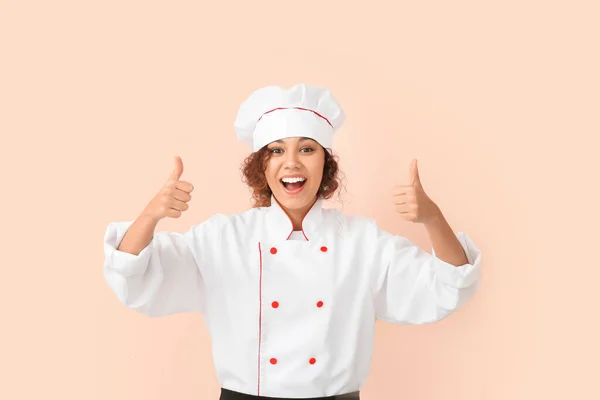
(172,198)
(412,203)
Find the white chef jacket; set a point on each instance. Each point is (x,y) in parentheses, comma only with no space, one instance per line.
(290,318)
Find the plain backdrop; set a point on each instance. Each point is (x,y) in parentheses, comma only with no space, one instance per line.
(498,101)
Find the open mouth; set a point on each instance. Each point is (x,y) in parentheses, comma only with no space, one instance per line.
(293,185)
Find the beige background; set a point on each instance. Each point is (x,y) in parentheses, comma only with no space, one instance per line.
(497,100)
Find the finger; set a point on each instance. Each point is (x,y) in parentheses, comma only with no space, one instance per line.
(404,199)
(171,213)
(403,208)
(414,173)
(181,195)
(407,207)
(177,205)
(178,170)
(184,186)
(402,189)
(408,217)
(408,193)
(406,212)
(399,198)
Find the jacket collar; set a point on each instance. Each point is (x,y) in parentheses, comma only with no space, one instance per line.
(280,225)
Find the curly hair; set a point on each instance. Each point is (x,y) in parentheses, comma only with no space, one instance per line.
(253,174)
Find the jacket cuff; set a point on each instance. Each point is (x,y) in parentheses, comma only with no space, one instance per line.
(124,263)
(465,275)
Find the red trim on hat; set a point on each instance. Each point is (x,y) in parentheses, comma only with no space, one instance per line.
(297,108)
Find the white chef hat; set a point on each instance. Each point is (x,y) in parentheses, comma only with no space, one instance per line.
(272,113)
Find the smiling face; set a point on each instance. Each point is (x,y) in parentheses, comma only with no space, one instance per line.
(294,172)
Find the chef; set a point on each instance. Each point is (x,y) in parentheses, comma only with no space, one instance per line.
(290,290)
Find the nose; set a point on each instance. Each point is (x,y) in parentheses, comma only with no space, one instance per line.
(292,159)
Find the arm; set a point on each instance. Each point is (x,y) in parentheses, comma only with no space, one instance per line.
(166,275)
(138,235)
(411,286)
(445,243)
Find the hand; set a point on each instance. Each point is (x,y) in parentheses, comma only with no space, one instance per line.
(172,199)
(411,201)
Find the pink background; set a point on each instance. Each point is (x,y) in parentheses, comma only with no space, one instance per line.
(497,100)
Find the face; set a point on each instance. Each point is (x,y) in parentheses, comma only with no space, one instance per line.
(294,171)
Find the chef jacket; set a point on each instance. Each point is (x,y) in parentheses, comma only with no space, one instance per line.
(290,318)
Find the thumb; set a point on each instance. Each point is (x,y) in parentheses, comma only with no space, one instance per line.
(178,170)
(414,174)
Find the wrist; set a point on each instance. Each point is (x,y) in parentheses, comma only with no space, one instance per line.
(435,220)
(148,219)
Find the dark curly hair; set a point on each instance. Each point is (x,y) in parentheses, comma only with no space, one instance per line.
(253,174)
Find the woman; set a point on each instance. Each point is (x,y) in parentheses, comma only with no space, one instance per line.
(289,290)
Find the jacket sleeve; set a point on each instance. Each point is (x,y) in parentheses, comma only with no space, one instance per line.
(166,277)
(412,286)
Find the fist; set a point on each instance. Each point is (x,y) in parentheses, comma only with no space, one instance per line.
(411,201)
(173,197)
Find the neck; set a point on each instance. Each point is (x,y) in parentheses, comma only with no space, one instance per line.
(297,215)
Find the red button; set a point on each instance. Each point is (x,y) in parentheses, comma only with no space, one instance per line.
(312,361)
(275,304)
(273,250)
(320,304)
(273,361)
(323,248)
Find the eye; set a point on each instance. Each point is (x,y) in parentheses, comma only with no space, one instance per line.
(275,149)
(310,149)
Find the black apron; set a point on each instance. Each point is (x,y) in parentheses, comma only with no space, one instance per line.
(227,394)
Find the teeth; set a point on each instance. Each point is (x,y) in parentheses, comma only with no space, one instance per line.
(293,180)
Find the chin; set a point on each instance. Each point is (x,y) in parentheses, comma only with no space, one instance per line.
(295,201)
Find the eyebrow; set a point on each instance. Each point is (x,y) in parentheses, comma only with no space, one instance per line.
(302,139)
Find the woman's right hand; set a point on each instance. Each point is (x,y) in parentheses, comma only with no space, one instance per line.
(172,198)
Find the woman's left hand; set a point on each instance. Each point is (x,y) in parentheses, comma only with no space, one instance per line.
(412,203)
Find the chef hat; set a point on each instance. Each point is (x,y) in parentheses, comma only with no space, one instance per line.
(272,113)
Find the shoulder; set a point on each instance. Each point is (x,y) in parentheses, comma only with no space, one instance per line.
(222,221)
(362,229)
(351,224)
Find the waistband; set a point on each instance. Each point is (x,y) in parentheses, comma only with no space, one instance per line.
(227,394)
